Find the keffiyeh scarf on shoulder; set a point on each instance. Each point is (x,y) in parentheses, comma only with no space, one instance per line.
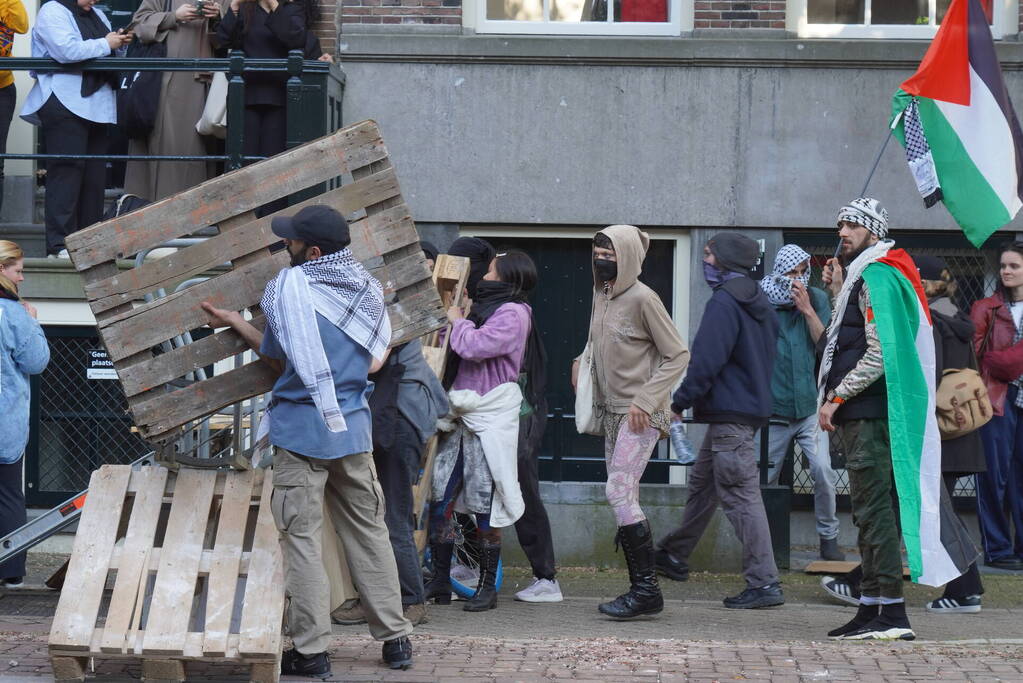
(776,285)
(340,289)
(854,273)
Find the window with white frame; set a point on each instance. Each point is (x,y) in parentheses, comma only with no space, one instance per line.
(583,17)
(889,18)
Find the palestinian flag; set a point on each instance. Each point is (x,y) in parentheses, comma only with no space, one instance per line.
(960,132)
(938,545)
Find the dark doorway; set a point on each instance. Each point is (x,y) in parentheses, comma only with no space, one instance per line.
(561,307)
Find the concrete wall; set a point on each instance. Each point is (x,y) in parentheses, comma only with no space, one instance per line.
(677,132)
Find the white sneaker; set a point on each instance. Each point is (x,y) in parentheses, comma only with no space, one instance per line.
(63,254)
(542,590)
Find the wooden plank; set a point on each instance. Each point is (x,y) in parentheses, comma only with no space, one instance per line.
(152,561)
(67,669)
(146,326)
(226,560)
(837,567)
(75,618)
(169,411)
(415,315)
(146,375)
(263,610)
(227,195)
(148,483)
(171,606)
(244,239)
(401,273)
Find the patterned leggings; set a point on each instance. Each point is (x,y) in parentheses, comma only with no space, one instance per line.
(626,458)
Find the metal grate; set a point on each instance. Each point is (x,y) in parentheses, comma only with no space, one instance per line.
(82,423)
(975,273)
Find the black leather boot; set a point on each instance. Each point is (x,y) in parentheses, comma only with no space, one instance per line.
(644,596)
(438,589)
(486,590)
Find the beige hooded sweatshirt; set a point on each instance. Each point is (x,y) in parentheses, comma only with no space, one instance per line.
(638,357)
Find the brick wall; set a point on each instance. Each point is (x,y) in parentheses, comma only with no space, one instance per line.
(733,14)
(401,11)
(326,28)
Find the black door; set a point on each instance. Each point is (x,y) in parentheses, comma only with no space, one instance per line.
(561,307)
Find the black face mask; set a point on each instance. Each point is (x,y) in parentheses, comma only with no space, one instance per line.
(606,270)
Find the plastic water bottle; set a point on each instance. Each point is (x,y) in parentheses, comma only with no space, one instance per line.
(685,453)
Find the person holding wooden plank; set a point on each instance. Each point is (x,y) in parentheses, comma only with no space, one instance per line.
(327,330)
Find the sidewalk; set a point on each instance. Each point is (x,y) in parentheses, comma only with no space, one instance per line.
(694,639)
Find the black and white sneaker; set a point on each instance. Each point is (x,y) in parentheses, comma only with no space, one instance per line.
(840,590)
(967,605)
(14,582)
(878,630)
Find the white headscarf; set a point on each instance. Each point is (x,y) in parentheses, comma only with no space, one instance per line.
(777,285)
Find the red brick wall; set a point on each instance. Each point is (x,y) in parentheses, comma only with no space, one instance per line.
(326,28)
(401,11)
(734,14)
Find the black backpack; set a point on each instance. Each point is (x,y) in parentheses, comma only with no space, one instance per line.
(138,92)
(383,402)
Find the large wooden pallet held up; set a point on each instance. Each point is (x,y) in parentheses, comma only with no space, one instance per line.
(383,238)
(195,567)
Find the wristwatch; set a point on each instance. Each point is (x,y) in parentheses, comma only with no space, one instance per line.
(832,397)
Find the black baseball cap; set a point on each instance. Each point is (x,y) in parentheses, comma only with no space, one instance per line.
(318,225)
(930,267)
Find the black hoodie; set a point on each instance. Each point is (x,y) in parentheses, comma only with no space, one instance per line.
(729,377)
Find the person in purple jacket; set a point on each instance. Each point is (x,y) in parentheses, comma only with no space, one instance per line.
(475,470)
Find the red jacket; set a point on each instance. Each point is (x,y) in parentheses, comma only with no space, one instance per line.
(1001,361)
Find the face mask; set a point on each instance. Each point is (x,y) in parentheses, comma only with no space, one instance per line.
(713,275)
(606,270)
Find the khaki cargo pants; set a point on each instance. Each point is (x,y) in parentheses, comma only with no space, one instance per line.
(356,506)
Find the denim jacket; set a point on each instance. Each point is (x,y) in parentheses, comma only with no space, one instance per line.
(23,352)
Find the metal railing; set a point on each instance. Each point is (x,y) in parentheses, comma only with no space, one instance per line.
(314,93)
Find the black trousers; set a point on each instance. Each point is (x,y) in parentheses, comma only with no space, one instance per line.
(265,136)
(12,513)
(534,528)
(8,98)
(74,188)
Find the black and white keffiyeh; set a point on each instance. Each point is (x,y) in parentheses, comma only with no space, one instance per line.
(340,289)
(867,212)
(777,285)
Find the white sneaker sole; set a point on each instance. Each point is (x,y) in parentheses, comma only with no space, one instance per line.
(550,597)
(889,634)
(967,609)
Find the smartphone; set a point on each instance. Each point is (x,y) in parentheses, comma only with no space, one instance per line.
(200,5)
(129,27)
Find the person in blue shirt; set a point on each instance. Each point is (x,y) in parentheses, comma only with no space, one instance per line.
(803,314)
(23,352)
(73,107)
(327,329)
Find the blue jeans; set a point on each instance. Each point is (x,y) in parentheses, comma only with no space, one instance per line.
(1000,489)
(804,432)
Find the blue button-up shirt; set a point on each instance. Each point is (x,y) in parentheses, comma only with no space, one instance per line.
(56,35)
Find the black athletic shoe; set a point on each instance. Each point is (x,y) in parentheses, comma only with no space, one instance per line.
(841,590)
(667,565)
(294,663)
(890,624)
(965,605)
(397,653)
(864,615)
(1011,563)
(755,598)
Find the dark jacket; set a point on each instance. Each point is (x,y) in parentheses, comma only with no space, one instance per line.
(729,377)
(872,402)
(1001,361)
(953,335)
(271,35)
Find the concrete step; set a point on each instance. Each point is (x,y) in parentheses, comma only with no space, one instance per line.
(31,237)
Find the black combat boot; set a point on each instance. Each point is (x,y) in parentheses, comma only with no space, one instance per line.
(486,590)
(438,589)
(644,596)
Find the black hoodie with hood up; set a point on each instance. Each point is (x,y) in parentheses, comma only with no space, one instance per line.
(729,377)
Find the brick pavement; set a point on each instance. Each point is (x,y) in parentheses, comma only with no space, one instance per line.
(523,658)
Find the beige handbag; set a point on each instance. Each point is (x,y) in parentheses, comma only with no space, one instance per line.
(586,420)
(214,115)
(962,403)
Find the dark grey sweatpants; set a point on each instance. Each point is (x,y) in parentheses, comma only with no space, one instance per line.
(725,471)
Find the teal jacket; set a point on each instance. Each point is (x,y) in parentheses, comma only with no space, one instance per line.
(794,383)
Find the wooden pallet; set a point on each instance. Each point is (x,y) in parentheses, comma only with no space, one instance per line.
(188,565)
(383,238)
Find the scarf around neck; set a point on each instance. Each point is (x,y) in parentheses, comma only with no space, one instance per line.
(91,27)
(340,289)
(777,285)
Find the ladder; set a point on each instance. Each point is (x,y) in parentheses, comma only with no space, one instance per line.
(52,521)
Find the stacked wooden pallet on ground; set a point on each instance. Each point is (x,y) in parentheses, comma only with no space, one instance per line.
(195,567)
(165,625)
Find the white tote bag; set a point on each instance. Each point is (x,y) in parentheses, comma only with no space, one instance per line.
(214,114)
(586,421)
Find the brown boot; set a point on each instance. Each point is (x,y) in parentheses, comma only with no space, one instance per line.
(349,613)
(416,614)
